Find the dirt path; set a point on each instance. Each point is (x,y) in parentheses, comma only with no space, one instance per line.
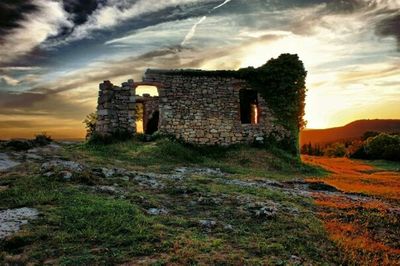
(365,220)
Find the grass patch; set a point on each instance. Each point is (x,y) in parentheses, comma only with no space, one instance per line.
(77,227)
(163,155)
(384,165)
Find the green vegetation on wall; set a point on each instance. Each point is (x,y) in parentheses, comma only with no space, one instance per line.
(281,82)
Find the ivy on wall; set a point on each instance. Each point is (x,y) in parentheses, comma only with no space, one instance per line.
(281,82)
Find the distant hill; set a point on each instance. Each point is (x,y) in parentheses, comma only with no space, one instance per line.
(353,130)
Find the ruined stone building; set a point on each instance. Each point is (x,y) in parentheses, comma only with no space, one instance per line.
(192,105)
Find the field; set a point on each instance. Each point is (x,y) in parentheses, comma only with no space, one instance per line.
(165,203)
(365,220)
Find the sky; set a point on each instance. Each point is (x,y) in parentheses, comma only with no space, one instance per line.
(53,54)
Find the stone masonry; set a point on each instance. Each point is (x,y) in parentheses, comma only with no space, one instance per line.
(194,108)
(116,108)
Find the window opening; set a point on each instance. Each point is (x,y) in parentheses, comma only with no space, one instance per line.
(249,112)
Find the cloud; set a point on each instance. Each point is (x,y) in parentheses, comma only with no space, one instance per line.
(81,10)
(20,68)
(390,26)
(44,21)
(9,80)
(12,12)
(116,12)
(368,72)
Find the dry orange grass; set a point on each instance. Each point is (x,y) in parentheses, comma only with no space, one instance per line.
(366,230)
(356,177)
(339,202)
(360,247)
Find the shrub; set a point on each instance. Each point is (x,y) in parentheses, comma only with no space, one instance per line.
(383,146)
(369,134)
(356,150)
(20,145)
(309,149)
(90,124)
(335,150)
(42,139)
(117,136)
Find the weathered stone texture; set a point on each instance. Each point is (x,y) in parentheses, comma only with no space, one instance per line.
(197,109)
(116,108)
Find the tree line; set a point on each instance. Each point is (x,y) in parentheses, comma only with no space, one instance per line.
(371,146)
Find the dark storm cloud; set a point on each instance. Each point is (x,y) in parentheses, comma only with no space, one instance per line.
(12,12)
(81,10)
(390,26)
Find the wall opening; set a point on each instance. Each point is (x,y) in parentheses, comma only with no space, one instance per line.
(249,112)
(139,113)
(147,109)
(152,123)
(146,89)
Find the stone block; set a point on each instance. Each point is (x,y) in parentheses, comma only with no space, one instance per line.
(102,112)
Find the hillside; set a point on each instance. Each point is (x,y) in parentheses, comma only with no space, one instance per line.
(352,130)
(156,203)
(167,203)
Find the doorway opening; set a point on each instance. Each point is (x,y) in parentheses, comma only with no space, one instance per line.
(152,123)
(147,109)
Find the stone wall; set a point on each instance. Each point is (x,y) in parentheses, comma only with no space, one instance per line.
(206,110)
(194,108)
(116,108)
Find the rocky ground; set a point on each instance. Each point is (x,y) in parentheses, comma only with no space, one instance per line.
(175,213)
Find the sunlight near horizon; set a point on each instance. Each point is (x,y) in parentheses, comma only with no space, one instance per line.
(333,98)
(145,89)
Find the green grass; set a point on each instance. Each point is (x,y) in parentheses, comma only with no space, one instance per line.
(384,165)
(74,224)
(79,226)
(164,155)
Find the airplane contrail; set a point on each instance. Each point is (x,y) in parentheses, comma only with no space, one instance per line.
(192,31)
(224,3)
